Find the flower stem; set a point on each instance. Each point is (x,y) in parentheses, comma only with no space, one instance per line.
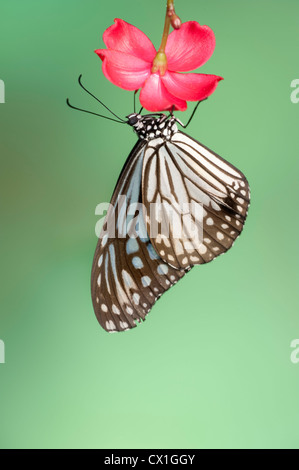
(160,61)
(169,8)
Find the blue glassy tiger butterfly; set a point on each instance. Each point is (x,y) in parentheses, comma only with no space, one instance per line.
(167,170)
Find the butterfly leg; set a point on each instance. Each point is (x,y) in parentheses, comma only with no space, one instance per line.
(193,112)
(135,93)
(171,112)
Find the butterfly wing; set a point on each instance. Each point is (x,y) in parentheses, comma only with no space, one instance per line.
(128,276)
(196,202)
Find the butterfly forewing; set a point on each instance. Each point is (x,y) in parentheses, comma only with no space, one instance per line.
(195,202)
(128,275)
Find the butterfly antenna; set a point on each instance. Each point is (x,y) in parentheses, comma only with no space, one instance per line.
(91,112)
(193,112)
(99,101)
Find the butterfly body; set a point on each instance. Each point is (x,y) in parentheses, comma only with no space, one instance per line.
(169,182)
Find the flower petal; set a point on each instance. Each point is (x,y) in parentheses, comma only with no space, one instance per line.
(190,86)
(124,37)
(189,47)
(155,97)
(124,70)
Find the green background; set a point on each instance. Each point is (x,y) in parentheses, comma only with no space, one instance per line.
(211,365)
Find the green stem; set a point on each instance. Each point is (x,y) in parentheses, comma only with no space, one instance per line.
(160,61)
(169,8)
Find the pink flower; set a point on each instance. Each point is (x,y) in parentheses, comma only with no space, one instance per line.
(128,62)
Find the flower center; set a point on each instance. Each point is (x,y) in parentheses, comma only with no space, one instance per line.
(160,63)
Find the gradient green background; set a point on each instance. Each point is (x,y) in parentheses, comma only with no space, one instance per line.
(211,365)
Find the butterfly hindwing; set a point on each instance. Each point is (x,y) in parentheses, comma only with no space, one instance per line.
(195,202)
(128,275)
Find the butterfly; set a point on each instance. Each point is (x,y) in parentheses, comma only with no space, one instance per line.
(169,181)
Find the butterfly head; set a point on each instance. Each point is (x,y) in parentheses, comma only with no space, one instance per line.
(134,119)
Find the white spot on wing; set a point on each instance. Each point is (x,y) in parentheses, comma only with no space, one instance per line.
(115,310)
(152,252)
(132,246)
(202,249)
(215,206)
(110,325)
(145,281)
(104,239)
(127,278)
(162,269)
(137,263)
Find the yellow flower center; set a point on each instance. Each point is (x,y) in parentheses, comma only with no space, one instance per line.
(160,63)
